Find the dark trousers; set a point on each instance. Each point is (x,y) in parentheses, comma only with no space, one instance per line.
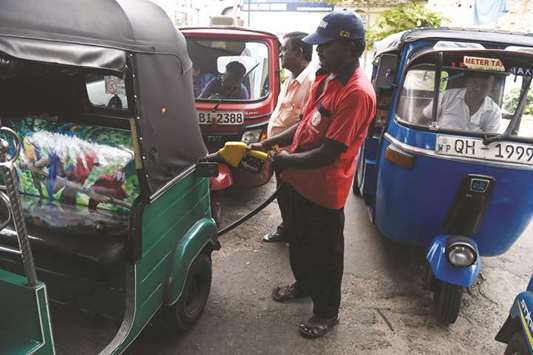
(284,207)
(316,251)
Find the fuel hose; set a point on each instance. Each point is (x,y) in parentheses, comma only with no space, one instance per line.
(251,214)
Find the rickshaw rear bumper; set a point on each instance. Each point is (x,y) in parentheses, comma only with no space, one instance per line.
(438,257)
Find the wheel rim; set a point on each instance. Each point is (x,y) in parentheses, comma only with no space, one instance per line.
(194,298)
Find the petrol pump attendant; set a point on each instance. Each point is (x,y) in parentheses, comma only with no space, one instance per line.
(319,166)
(295,56)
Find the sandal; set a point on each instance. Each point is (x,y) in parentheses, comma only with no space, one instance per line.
(274,238)
(317,327)
(287,293)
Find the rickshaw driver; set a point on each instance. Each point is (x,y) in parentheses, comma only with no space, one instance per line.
(470,108)
(230,86)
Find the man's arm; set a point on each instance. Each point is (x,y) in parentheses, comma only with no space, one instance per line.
(324,155)
(244,94)
(494,120)
(283,139)
(207,91)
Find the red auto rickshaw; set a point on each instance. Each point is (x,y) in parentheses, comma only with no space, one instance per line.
(242,113)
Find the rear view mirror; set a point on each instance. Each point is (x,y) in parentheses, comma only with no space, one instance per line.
(5,214)
(386,71)
(207,169)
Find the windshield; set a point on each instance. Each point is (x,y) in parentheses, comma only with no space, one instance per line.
(106,91)
(472,99)
(229,70)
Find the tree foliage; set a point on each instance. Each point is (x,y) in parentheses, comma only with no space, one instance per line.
(403,17)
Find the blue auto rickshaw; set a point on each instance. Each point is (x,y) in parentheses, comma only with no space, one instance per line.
(517,331)
(448,162)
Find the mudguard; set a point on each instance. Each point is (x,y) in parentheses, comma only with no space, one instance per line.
(223,180)
(520,318)
(202,233)
(446,272)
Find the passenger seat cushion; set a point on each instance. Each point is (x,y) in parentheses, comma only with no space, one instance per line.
(75,179)
(81,165)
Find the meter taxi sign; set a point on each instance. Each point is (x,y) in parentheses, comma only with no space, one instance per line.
(481,63)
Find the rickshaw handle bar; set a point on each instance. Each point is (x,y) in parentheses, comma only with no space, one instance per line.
(4,160)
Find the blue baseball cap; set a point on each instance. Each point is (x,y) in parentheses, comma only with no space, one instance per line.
(337,25)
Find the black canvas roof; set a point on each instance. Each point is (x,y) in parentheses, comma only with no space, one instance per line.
(502,38)
(133,25)
(101,34)
(41,30)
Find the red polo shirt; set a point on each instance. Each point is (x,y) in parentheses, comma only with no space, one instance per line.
(342,113)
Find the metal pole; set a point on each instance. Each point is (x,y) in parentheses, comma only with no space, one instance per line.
(7,169)
(20,225)
(249,24)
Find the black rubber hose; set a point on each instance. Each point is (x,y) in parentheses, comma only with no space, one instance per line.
(251,214)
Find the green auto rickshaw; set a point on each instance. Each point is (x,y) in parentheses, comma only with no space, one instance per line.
(104,209)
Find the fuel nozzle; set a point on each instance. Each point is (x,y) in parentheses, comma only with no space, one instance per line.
(237,154)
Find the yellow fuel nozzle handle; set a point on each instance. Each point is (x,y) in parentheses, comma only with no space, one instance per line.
(258,154)
(234,152)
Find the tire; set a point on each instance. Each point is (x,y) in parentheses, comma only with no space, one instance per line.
(447,299)
(517,345)
(216,207)
(193,299)
(358,178)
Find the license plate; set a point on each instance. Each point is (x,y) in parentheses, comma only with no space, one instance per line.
(474,148)
(220,118)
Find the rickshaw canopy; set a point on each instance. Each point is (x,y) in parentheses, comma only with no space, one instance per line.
(89,33)
(395,42)
(133,38)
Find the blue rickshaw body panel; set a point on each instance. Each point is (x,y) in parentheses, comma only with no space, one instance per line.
(411,205)
(522,311)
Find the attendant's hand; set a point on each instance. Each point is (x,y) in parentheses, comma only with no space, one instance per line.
(257,146)
(280,161)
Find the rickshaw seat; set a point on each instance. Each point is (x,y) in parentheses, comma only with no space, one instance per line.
(103,249)
(64,170)
(100,239)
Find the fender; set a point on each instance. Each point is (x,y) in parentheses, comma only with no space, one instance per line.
(520,318)
(223,180)
(446,272)
(200,235)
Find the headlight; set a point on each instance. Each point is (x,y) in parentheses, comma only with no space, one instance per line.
(461,254)
(252,136)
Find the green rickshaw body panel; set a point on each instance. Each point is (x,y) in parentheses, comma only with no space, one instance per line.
(176,227)
(189,247)
(24,325)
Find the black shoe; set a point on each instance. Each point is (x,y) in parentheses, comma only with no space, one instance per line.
(274,238)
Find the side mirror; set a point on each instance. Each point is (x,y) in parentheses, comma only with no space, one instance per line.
(207,169)
(5,210)
(386,71)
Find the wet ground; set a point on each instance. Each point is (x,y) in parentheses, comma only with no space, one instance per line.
(385,309)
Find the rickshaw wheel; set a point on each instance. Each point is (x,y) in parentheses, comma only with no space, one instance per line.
(216,207)
(358,178)
(447,299)
(191,304)
(517,345)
